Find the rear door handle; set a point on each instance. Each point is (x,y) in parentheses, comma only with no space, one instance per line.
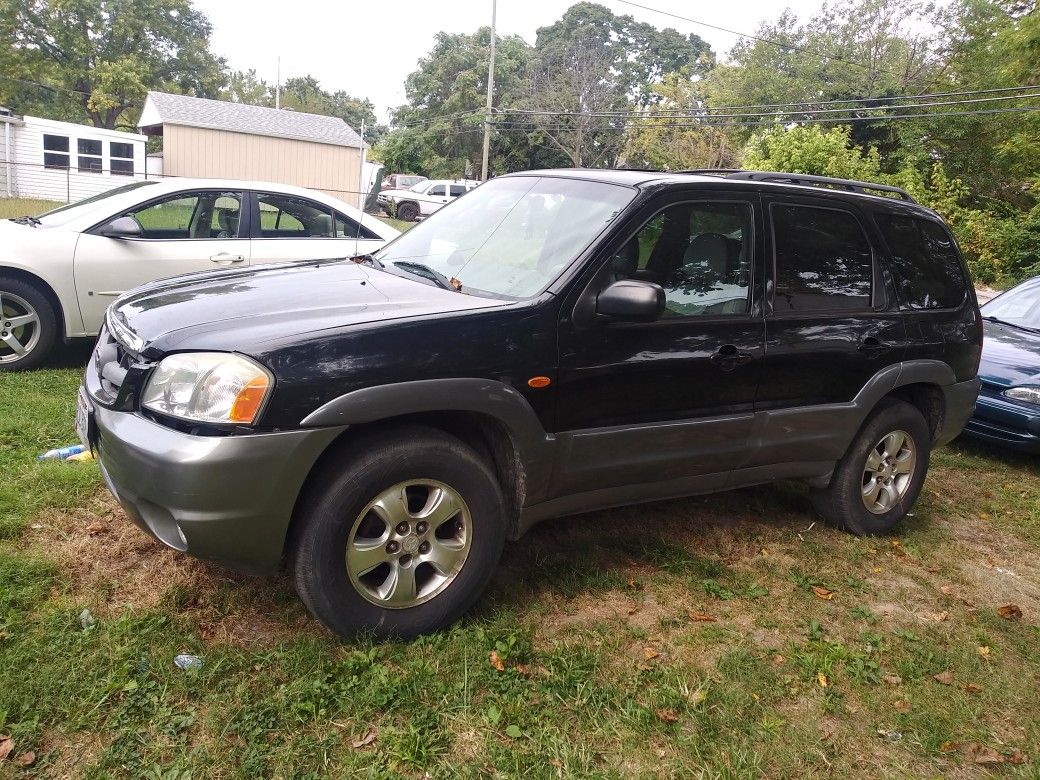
(873,345)
(728,357)
(226,259)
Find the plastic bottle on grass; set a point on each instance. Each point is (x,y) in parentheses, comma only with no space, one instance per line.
(62,453)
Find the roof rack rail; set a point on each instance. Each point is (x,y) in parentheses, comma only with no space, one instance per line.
(711,171)
(862,187)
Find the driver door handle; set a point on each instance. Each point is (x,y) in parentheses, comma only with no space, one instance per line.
(226,259)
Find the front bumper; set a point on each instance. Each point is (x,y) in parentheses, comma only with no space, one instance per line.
(226,498)
(1002,421)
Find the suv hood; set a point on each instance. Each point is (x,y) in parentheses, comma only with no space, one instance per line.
(257,310)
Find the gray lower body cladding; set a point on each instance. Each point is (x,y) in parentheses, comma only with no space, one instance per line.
(226,498)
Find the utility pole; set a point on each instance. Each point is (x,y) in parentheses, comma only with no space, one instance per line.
(490,92)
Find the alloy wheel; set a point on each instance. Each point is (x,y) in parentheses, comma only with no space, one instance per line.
(409,543)
(19,327)
(888,472)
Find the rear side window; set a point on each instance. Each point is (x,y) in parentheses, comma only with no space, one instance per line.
(925,261)
(823,260)
(456,189)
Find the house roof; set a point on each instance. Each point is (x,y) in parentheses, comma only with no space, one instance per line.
(164,108)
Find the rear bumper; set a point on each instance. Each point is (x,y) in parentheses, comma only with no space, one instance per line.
(226,498)
(959,405)
(1005,422)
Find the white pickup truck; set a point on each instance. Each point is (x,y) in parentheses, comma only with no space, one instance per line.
(424,198)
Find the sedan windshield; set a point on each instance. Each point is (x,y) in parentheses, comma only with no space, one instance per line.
(1019,306)
(511,236)
(65,213)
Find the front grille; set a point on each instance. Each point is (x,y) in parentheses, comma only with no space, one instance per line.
(117,369)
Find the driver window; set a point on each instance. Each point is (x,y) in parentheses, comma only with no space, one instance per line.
(700,253)
(205,215)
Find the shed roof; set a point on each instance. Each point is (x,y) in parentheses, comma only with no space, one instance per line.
(164,108)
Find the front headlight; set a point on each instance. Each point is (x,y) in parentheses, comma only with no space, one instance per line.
(209,387)
(1030,394)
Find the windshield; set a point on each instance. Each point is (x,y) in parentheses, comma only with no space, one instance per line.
(65,213)
(1018,306)
(511,236)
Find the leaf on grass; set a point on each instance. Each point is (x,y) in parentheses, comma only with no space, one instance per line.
(668,716)
(821,678)
(496,661)
(365,741)
(823,593)
(981,754)
(946,678)
(97,527)
(6,746)
(513,731)
(650,654)
(949,747)
(1010,612)
(973,688)
(892,679)
(778,660)
(984,651)
(939,617)
(946,589)
(1016,757)
(700,617)
(902,705)
(26,759)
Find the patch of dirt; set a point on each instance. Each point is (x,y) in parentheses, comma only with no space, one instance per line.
(110,566)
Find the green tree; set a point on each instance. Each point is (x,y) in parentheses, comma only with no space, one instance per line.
(592,67)
(439,132)
(247,87)
(305,93)
(98,58)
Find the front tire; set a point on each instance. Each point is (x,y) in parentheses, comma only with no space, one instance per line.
(28,325)
(878,480)
(408,212)
(398,537)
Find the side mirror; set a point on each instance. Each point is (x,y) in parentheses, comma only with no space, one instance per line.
(121,227)
(631,299)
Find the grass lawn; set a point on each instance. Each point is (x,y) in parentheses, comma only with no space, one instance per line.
(713,637)
(397,224)
(19,207)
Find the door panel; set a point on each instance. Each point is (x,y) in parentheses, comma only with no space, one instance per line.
(672,399)
(291,228)
(191,232)
(832,324)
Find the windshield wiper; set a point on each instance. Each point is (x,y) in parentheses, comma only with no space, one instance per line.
(26,220)
(371,260)
(991,318)
(428,273)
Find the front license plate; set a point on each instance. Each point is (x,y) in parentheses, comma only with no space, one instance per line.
(83,413)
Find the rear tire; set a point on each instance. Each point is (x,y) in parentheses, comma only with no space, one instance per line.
(878,480)
(399,536)
(28,325)
(408,212)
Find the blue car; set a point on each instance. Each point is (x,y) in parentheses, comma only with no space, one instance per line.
(1008,408)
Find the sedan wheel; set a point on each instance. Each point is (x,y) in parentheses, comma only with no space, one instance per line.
(19,328)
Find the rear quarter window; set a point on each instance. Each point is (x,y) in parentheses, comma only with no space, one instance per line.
(925,262)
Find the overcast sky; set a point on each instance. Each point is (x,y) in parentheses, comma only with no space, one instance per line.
(346,45)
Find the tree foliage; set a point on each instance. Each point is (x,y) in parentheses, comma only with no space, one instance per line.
(96,59)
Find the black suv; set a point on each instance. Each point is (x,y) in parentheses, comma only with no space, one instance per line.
(553,343)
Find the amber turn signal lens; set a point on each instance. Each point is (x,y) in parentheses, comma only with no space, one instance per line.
(538,382)
(248,401)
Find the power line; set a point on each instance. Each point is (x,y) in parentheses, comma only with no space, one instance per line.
(811,112)
(827,120)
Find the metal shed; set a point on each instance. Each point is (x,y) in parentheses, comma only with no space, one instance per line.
(215,138)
